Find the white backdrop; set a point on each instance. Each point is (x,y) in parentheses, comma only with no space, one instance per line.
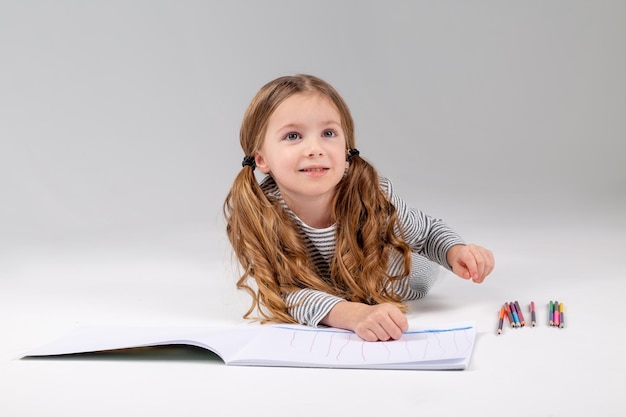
(125,114)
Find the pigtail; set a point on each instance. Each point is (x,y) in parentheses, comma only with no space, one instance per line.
(244,209)
(272,255)
(367,232)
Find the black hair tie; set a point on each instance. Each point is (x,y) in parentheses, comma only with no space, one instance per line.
(248,161)
(351,154)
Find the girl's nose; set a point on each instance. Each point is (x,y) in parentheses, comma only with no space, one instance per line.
(315,149)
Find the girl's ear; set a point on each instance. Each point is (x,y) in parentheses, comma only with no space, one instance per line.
(260,163)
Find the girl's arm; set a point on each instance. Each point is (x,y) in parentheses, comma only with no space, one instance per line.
(370,322)
(434,239)
(309,306)
(426,235)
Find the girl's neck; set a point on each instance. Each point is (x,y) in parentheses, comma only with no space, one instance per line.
(316,214)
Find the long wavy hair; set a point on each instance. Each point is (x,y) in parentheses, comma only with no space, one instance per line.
(270,250)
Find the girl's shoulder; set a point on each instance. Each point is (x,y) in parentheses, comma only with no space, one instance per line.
(268,185)
(385,185)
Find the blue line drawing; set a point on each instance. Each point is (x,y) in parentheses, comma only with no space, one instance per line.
(331,345)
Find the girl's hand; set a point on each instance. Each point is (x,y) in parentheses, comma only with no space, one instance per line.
(370,322)
(471,261)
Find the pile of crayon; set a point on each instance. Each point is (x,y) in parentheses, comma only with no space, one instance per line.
(556,318)
(513,313)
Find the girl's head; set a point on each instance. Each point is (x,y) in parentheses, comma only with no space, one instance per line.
(274,93)
(267,240)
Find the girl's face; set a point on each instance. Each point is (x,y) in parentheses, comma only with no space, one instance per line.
(304,148)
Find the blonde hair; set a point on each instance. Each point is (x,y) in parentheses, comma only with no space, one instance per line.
(267,241)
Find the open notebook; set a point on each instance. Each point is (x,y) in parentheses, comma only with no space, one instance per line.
(424,348)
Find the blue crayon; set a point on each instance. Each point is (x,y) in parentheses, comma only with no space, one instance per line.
(551,313)
(520,314)
(515,315)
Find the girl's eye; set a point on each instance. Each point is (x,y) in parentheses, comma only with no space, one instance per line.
(329,133)
(292,136)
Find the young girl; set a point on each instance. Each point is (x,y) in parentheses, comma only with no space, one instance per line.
(322,238)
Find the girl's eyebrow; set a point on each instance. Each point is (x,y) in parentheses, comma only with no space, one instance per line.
(332,122)
(289,126)
(299,125)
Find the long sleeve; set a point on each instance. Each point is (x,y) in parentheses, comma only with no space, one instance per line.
(310,306)
(428,236)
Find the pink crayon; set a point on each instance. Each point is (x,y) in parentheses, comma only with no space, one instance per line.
(557,316)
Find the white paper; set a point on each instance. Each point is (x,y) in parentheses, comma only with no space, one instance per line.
(441,347)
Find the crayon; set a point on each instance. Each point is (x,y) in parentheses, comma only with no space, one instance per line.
(511,311)
(551,313)
(509,314)
(501,320)
(533,320)
(519,313)
(561,316)
(556,314)
(515,315)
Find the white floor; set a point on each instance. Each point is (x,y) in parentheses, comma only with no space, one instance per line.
(181,276)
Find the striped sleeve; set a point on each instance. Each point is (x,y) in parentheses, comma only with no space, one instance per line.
(425,234)
(309,307)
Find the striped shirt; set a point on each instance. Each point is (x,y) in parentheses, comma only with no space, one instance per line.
(428,237)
